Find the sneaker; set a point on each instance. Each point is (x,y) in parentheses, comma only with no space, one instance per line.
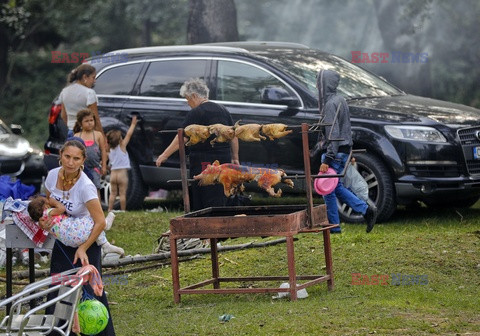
(370,217)
(109,220)
(109,248)
(336,230)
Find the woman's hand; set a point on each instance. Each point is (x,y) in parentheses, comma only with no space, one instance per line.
(161,159)
(45,223)
(323,168)
(81,255)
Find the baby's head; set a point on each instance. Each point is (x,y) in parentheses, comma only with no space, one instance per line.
(114,137)
(36,207)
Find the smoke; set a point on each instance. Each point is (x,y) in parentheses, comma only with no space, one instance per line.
(443,32)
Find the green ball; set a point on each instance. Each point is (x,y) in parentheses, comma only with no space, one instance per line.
(92,316)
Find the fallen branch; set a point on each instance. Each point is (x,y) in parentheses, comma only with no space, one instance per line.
(141,268)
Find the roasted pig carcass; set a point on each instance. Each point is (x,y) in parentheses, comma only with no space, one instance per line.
(233,176)
(196,133)
(275,131)
(249,132)
(222,133)
(267,178)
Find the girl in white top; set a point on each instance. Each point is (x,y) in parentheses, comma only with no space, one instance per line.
(79,95)
(120,163)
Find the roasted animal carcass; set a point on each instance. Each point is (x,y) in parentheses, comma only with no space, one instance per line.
(248,132)
(233,176)
(222,133)
(275,131)
(196,133)
(267,178)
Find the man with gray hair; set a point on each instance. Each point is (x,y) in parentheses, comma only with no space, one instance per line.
(204,112)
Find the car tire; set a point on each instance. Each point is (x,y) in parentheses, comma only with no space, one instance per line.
(381,190)
(137,190)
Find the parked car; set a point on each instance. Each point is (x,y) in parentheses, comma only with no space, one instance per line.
(18,158)
(417,149)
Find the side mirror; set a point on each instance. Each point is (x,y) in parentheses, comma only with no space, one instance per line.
(278,95)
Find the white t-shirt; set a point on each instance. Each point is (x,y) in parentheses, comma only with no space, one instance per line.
(76,97)
(82,191)
(118,158)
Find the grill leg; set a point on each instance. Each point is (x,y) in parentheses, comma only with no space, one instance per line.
(214,256)
(175,274)
(292,276)
(328,258)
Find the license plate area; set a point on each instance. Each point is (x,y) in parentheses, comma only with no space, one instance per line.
(476,153)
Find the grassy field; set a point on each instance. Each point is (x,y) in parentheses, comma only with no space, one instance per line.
(442,246)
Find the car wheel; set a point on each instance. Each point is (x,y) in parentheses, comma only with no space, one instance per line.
(380,189)
(136,192)
(452,203)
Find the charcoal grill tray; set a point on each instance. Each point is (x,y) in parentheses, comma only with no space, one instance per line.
(247,221)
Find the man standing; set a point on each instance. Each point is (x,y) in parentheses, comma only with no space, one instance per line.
(337,145)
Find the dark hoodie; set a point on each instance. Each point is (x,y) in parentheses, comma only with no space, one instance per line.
(338,136)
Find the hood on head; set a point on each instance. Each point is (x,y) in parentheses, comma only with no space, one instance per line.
(327,83)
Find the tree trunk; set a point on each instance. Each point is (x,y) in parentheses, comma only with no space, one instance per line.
(212,21)
(3,60)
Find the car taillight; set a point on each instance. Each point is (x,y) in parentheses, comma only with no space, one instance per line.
(54,113)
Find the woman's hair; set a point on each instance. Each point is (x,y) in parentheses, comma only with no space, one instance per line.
(78,72)
(80,116)
(36,206)
(74,143)
(194,85)
(114,137)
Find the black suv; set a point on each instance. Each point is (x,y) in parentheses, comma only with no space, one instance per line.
(416,148)
(18,158)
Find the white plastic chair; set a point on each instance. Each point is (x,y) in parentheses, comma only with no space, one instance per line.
(33,321)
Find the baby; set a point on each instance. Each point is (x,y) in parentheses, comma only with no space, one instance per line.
(71,231)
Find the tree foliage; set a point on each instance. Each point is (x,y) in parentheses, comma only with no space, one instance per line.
(212,21)
(31,29)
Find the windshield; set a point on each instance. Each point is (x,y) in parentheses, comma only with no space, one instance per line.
(304,64)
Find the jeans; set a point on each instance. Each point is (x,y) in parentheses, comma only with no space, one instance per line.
(342,193)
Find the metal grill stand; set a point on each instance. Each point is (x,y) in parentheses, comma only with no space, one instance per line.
(234,222)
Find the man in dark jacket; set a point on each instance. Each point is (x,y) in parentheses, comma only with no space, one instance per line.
(337,139)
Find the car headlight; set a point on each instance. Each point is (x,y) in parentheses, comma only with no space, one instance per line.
(415,133)
(14,149)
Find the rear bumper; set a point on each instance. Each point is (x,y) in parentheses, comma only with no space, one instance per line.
(411,187)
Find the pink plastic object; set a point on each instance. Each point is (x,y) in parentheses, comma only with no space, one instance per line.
(325,185)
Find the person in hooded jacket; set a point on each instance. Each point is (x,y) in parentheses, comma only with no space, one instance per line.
(337,144)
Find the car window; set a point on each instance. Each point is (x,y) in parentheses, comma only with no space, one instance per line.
(118,80)
(164,78)
(241,82)
(355,82)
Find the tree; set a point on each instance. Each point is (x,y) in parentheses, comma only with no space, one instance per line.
(212,21)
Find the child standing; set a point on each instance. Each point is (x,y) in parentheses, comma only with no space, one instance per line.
(95,144)
(71,231)
(120,163)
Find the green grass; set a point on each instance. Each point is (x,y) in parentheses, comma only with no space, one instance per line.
(442,244)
